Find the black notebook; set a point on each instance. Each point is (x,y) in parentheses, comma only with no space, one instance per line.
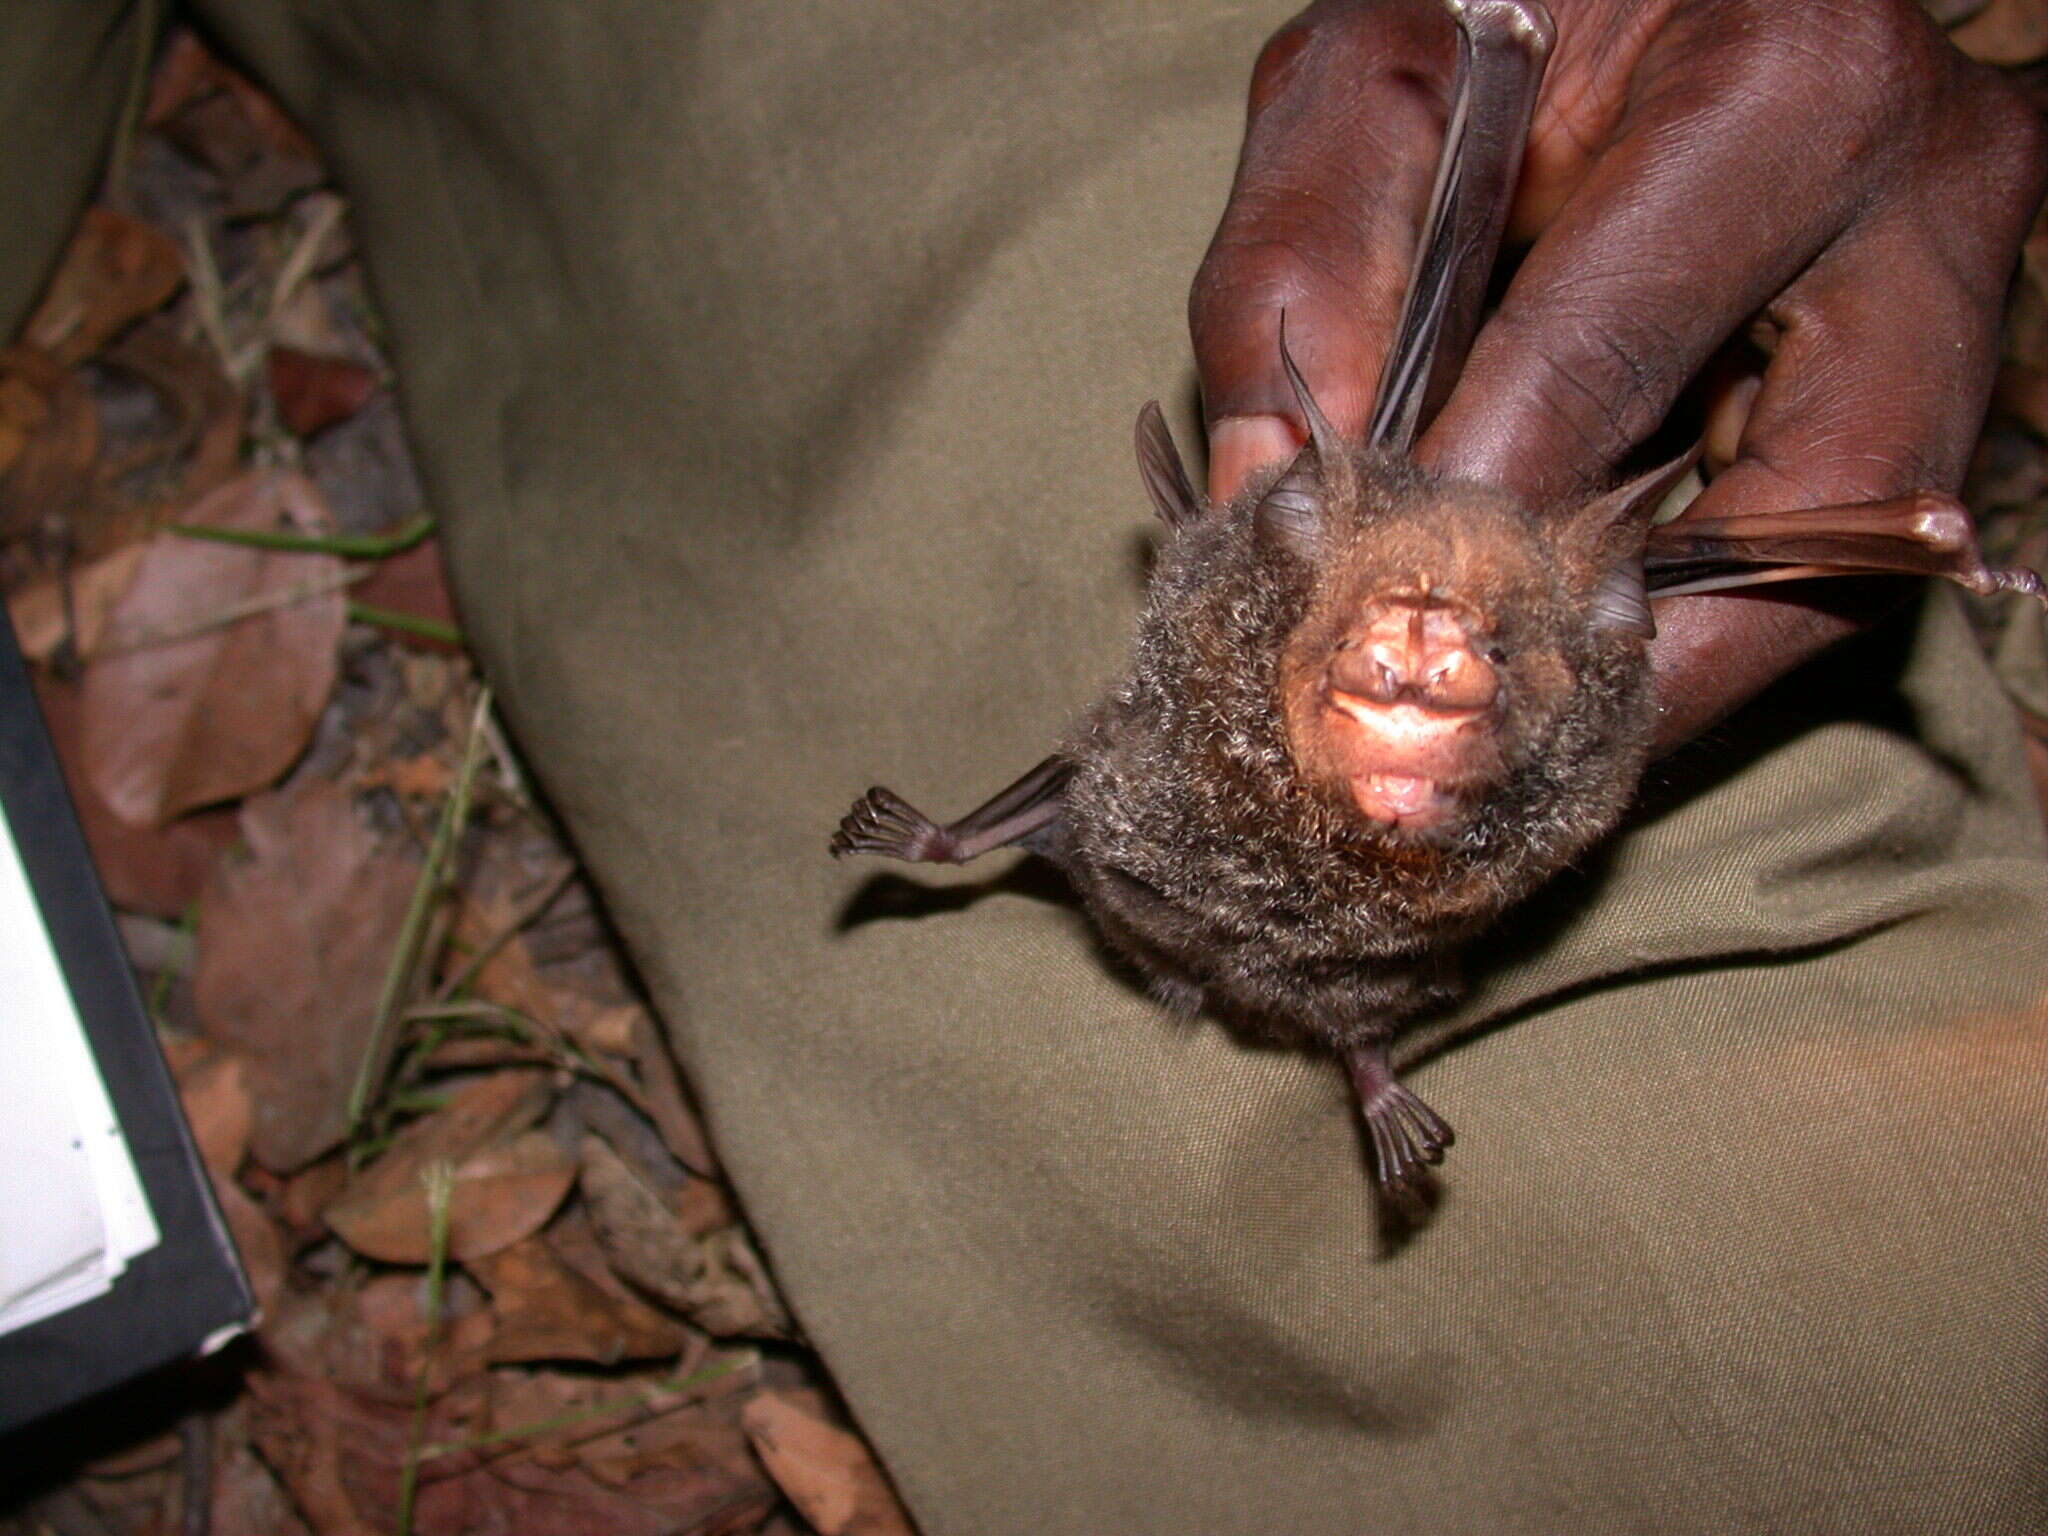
(113,1256)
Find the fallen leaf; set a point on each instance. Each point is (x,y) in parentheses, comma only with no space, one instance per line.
(308,1193)
(157,870)
(313,392)
(205,411)
(638,1230)
(827,1472)
(116,270)
(257,1240)
(54,467)
(2004,32)
(189,704)
(547,1310)
(293,941)
(215,1094)
(38,609)
(247,1500)
(661,1083)
(415,584)
(507,1183)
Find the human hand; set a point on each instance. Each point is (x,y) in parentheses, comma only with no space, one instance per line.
(1836,173)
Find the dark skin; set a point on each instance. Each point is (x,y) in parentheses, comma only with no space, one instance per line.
(1834,172)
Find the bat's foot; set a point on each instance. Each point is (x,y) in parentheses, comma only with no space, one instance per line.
(882,822)
(1408,1137)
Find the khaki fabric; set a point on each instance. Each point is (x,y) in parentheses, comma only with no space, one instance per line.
(773,369)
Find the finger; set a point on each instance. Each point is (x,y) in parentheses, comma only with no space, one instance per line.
(1346,112)
(1877,388)
(1666,248)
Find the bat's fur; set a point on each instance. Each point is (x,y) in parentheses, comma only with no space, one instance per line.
(1232,875)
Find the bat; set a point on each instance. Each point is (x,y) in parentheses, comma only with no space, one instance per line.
(1369,707)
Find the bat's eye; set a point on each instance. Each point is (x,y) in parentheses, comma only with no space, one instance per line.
(1496,655)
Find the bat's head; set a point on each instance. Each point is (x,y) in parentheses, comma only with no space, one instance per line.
(1369,705)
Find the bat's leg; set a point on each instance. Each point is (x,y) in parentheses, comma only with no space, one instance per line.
(884,823)
(1407,1134)
(1921,535)
(1502,48)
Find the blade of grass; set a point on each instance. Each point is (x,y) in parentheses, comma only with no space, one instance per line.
(350,546)
(405,623)
(412,935)
(439,1179)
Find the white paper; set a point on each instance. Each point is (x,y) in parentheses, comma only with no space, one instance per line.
(72,1210)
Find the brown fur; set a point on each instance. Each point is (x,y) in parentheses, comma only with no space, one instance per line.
(1215,852)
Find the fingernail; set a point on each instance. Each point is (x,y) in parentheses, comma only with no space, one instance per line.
(1239,446)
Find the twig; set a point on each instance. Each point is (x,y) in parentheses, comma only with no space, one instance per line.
(298,266)
(232,613)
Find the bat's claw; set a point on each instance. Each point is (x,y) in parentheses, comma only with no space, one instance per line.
(1408,1137)
(882,822)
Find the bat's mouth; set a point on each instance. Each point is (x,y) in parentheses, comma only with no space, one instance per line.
(1406,765)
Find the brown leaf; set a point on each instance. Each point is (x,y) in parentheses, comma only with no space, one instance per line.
(2005,32)
(293,941)
(116,270)
(662,1084)
(413,583)
(313,391)
(827,1471)
(713,1278)
(157,870)
(206,411)
(638,1230)
(257,1240)
(215,1094)
(176,723)
(547,1310)
(247,1500)
(508,1181)
(54,466)
(40,624)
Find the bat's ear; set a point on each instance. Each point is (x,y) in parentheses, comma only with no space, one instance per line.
(1166,478)
(1294,513)
(1614,525)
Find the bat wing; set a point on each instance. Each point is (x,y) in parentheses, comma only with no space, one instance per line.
(1503,46)
(1921,535)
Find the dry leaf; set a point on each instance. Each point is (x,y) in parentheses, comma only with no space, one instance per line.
(116,270)
(205,409)
(413,583)
(547,1310)
(257,1240)
(176,723)
(313,392)
(638,1230)
(662,1085)
(293,941)
(826,1471)
(54,468)
(37,609)
(247,1500)
(215,1094)
(157,870)
(2005,32)
(508,1180)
